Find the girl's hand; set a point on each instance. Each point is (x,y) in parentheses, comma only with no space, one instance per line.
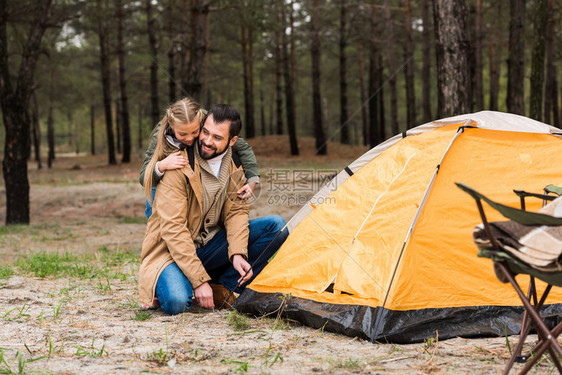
(247,190)
(172,161)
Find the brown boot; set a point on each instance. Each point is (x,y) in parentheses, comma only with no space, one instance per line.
(222,296)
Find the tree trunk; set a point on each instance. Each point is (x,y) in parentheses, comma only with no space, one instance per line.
(343,72)
(184,51)
(243,45)
(171,58)
(409,69)
(551,89)
(36,129)
(278,73)
(70,137)
(452,55)
(198,46)
(426,69)
(289,91)
(516,58)
(321,144)
(51,121)
(547,117)
(141,137)
(207,92)
(251,124)
(246,68)
(537,64)
(292,61)
(271,104)
(14,102)
(106,84)
(262,110)
(380,94)
(363,96)
(494,56)
(118,124)
(124,106)
(92,130)
(155,110)
(391,61)
(477,82)
(376,131)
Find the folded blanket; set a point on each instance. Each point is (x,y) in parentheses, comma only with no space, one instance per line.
(537,246)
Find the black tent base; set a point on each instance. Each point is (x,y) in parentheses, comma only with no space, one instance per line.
(383,325)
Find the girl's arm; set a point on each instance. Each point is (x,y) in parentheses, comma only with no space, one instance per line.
(172,161)
(248,160)
(148,155)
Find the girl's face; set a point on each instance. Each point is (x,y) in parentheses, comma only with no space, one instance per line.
(187,132)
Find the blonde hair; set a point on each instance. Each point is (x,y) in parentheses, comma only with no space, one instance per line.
(183,111)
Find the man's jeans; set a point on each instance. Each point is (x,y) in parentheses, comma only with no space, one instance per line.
(173,288)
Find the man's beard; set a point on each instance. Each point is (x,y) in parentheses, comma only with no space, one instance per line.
(215,153)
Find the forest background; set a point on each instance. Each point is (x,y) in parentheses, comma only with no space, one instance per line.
(83,83)
(96,76)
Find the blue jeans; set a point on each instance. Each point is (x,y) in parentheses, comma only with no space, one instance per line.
(173,288)
(148,207)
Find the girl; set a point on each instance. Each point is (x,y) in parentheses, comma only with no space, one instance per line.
(179,129)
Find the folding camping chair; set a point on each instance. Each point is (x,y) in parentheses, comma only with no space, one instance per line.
(506,266)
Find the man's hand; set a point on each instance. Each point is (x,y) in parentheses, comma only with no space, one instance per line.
(247,190)
(204,296)
(243,267)
(172,161)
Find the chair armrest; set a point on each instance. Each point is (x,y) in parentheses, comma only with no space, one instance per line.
(524,194)
(511,213)
(553,189)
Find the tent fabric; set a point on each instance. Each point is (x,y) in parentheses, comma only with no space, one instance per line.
(390,250)
(485,119)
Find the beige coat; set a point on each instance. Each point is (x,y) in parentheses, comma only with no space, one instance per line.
(176,219)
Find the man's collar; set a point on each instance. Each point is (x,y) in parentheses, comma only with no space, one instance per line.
(204,163)
(217,158)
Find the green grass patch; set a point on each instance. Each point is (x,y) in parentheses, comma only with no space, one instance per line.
(13,229)
(238,321)
(6,272)
(117,258)
(45,264)
(105,264)
(349,364)
(130,303)
(141,316)
(133,220)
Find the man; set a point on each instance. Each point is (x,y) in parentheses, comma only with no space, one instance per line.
(199,231)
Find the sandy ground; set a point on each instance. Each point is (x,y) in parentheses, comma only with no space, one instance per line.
(68,325)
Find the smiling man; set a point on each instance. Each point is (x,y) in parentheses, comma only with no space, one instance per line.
(199,233)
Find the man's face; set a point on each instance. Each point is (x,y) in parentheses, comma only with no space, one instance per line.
(213,138)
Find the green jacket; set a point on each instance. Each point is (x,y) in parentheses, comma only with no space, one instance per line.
(241,147)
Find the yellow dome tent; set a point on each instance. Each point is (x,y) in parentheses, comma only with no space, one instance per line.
(385,251)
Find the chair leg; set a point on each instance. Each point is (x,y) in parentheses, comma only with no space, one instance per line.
(525,326)
(550,341)
(538,306)
(537,355)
